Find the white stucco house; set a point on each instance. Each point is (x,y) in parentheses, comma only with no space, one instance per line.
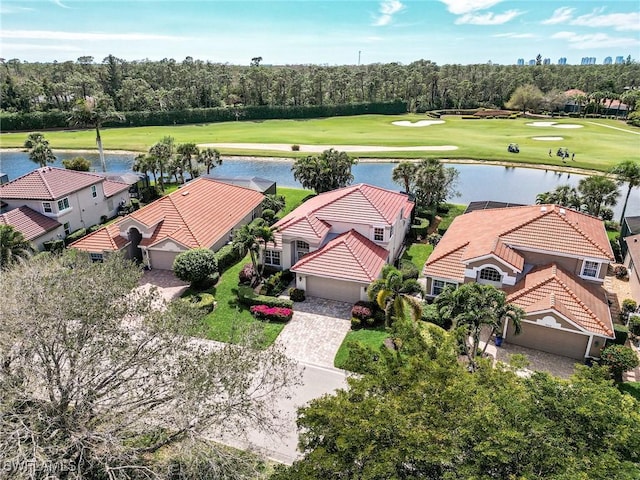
(73,199)
(202,214)
(337,242)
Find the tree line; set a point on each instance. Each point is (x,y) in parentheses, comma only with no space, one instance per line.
(170,85)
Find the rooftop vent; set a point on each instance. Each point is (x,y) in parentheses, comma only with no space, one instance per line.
(185,193)
(562,211)
(543,209)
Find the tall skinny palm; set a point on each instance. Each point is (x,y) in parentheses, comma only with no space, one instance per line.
(394,295)
(210,157)
(249,239)
(93,112)
(13,247)
(403,175)
(186,153)
(39,149)
(627,172)
(161,154)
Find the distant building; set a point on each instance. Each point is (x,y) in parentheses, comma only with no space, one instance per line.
(520,61)
(607,61)
(588,61)
(532,62)
(562,61)
(619,59)
(546,61)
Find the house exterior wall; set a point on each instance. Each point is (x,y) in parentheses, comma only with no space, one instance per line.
(597,344)
(573,265)
(634,277)
(112,203)
(55,234)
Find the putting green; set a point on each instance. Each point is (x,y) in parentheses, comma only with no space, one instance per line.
(598,145)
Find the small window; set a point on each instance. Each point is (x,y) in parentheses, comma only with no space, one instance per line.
(272,257)
(490,274)
(302,245)
(378,234)
(67,228)
(590,269)
(94,191)
(437,286)
(63,204)
(46,207)
(96,257)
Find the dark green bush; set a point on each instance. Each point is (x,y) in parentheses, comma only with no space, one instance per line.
(227,256)
(356,323)
(246,296)
(296,294)
(621,333)
(277,282)
(619,359)
(135,204)
(409,270)
(634,325)
(268,215)
(195,266)
(295,148)
(54,246)
(419,227)
(204,301)
(77,235)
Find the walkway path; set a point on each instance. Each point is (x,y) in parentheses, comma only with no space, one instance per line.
(316,331)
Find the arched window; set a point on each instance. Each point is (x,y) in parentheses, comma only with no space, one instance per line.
(490,274)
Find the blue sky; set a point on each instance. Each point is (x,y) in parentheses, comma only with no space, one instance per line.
(320,31)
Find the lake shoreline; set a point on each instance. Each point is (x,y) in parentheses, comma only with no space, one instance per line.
(468,161)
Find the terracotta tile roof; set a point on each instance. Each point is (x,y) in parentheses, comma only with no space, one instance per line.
(541,227)
(112,187)
(550,287)
(102,240)
(196,215)
(574,91)
(48,183)
(449,265)
(360,203)
(30,223)
(349,256)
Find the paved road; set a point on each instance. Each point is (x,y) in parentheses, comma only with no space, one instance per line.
(316,381)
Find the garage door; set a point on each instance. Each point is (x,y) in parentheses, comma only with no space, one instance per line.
(550,340)
(333,289)
(162,260)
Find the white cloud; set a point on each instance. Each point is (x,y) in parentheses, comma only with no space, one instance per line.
(594,40)
(514,35)
(60,4)
(488,18)
(460,7)
(618,21)
(7,9)
(388,8)
(559,15)
(81,36)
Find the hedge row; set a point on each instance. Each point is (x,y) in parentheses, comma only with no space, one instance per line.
(248,297)
(227,256)
(59,119)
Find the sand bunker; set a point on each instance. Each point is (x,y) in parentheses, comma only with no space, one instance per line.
(550,139)
(554,125)
(285,147)
(419,123)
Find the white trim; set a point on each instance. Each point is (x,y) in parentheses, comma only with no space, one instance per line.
(495,257)
(586,353)
(589,277)
(563,317)
(563,329)
(306,275)
(473,273)
(561,254)
(446,284)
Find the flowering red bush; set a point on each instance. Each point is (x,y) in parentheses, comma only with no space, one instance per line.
(277,314)
(362,310)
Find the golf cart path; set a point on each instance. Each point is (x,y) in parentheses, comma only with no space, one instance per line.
(286,147)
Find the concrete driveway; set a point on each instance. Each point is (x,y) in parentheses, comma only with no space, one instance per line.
(169,286)
(316,331)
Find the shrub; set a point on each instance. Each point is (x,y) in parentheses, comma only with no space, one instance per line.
(622,333)
(363,310)
(277,314)
(634,325)
(103,219)
(77,235)
(246,296)
(195,266)
(419,227)
(247,274)
(356,323)
(268,215)
(135,204)
(430,314)
(54,246)
(295,148)
(227,256)
(620,271)
(619,359)
(629,305)
(434,238)
(277,282)
(409,270)
(204,301)
(296,294)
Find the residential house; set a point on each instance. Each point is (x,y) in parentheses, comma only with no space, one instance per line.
(551,261)
(262,185)
(73,199)
(337,242)
(632,262)
(202,214)
(34,226)
(630,226)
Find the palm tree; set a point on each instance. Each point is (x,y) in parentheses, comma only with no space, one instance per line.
(627,172)
(471,308)
(403,175)
(394,294)
(161,154)
(93,112)
(210,157)
(596,192)
(13,247)
(39,150)
(143,163)
(186,153)
(250,238)
(273,202)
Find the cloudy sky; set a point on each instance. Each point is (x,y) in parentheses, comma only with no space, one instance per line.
(329,32)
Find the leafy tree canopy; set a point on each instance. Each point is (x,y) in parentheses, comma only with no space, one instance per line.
(328,171)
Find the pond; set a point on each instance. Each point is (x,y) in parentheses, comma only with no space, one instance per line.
(477,181)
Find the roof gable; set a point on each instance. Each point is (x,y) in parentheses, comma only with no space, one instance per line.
(48,183)
(349,256)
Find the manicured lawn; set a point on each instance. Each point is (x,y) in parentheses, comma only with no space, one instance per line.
(613,234)
(597,145)
(229,317)
(417,253)
(632,388)
(373,338)
(454,211)
(293,198)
